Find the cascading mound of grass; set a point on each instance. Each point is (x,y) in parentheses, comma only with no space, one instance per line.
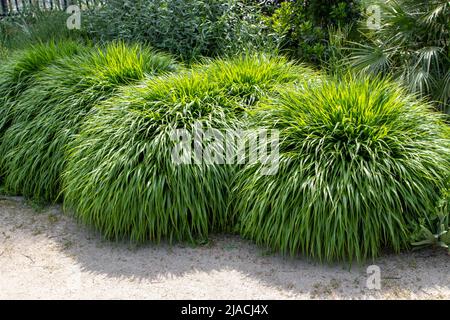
(18,72)
(121,177)
(250,77)
(49,113)
(360,162)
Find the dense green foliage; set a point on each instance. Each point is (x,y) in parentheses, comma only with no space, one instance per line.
(436,236)
(254,76)
(364,164)
(34,26)
(19,72)
(121,177)
(303,27)
(413,45)
(434,230)
(188,29)
(360,163)
(46,115)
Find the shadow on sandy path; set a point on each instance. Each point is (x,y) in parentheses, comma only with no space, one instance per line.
(421,274)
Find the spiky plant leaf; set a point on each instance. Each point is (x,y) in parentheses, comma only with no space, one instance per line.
(412,45)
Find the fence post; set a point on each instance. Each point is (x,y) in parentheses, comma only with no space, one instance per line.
(4,8)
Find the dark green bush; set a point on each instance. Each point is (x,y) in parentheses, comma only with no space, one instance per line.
(47,115)
(34,26)
(302,27)
(361,162)
(188,29)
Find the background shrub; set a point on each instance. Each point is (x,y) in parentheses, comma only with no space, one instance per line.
(49,113)
(188,29)
(34,26)
(303,27)
(412,45)
(360,163)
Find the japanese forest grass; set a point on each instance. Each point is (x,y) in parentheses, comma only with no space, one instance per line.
(20,70)
(120,176)
(49,113)
(361,162)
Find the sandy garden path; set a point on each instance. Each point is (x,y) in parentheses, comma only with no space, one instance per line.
(47,255)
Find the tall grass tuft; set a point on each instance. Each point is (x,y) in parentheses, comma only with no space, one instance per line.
(121,177)
(48,114)
(361,162)
(252,76)
(20,69)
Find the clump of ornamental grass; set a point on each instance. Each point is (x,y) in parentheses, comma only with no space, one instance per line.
(361,162)
(252,76)
(48,114)
(123,176)
(20,69)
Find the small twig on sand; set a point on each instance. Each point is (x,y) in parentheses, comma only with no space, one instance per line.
(28,257)
(425,292)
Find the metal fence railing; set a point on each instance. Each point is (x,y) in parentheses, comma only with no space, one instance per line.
(12,7)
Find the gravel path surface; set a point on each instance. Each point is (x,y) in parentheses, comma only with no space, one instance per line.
(47,255)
